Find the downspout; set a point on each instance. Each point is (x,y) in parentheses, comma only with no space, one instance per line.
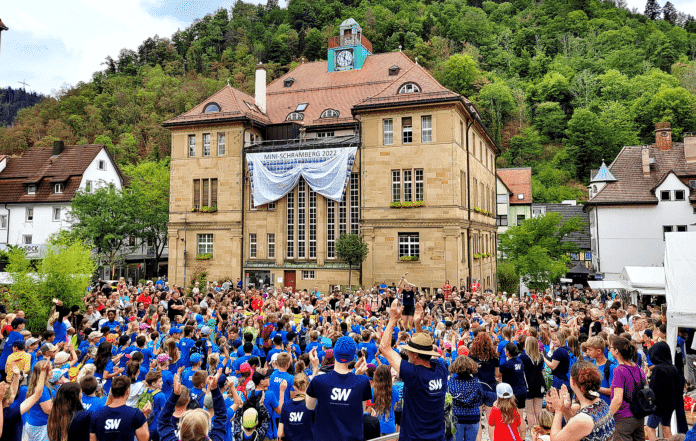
(241,248)
(468,204)
(360,187)
(7,238)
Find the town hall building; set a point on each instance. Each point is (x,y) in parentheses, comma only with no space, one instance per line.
(263,186)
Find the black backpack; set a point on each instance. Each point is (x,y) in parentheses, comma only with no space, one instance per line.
(607,370)
(194,401)
(642,403)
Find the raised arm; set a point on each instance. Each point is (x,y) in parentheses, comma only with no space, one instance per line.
(385,342)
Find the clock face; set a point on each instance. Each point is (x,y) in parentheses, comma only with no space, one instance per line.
(344,58)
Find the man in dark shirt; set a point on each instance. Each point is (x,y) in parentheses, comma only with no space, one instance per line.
(118,421)
(175,307)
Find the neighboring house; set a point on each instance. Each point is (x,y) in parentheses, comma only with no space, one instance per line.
(519,182)
(412,161)
(503,195)
(647,192)
(36,190)
(581,238)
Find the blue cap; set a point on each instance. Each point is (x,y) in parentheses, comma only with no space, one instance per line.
(222,380)
(345,348)
(199,318)
(326,342)
(174,330)
(195,358)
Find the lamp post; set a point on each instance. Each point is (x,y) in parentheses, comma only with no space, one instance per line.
(184,239)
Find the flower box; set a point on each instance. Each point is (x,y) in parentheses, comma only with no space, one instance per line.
(407,204)
(477,256)
(204,256)
(408,258)
(208,209)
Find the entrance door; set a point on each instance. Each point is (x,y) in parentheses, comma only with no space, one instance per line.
(289,279)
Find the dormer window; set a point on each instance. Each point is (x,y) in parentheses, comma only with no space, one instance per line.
(301,107)
(288,82)
(58,188)
(330,113)
(394,70)
(31,189)
(211,108)
(520,196)
(409,88)
(295,116)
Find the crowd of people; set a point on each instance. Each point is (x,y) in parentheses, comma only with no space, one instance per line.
(227,363)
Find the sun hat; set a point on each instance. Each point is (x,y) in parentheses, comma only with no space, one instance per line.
(344,351)
(503,390)
(250,418)
(61,359)
(421,343)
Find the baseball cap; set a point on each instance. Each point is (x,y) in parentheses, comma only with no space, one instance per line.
(174,330)
(18,321)
(222,380)
(274,357)
(344,351)
(245,367)
(205,330)
(250,418)
(503,390)
(94,334)
(32,341)
(258,376)
(195,358)
(7,328)
(48,347)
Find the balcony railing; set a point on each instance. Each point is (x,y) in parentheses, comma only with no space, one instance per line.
(350,40)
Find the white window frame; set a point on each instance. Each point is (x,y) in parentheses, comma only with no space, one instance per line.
(396,186)
(27,239)
(330,229)
(681,228)
(312,224)
(683,195)
(329,134)
(29,214)
(192,146)
(408,184)
(665,195)
(301,219)
(419,187)
(56,210)
(101,165)
(206,144)
(520,196)
(271,205)
(409,88)
(426,128)
(290,226)
(3,221)
(409,244)
(666,229)
(221,144)
(253,246)
(205,242)
(308,274)
(58,188)
(31,189)
(295,116)
(271,245)
(388,131)
(330,113)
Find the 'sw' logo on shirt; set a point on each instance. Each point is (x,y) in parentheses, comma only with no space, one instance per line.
(296,416)
(339,394)
(112,424)
(435,384)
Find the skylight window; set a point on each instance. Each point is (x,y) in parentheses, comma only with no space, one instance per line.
(409,88)
(211,108)
(251,106)
(301,107)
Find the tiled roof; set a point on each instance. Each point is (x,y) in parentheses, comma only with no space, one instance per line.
(38,165)
(580,238)
(519,181)
(631,186)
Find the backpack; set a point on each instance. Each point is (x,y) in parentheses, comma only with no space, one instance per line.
(607,370)
(266,334)
(199,348)
(148,397)
(642,403)
(195,401)
(450,419)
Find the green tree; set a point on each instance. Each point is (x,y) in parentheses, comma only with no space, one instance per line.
(64,273)
(461,74)
(351,249)
(508,280)
(498,103)
(149,189)
(550,120)
(586,142)
(106,218)
(536,249)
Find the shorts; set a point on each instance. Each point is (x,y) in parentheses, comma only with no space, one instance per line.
(521,400)
(397,417)
(655,420)
(409,310)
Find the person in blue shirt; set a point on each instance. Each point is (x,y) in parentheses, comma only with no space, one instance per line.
(296,420)
(281,374)
(185,345)
(153,380)
(369,345)
(17,327)
(90,401)
(512,372)
(187,376)
(111,322)
(382,287)
(339,396)
(425,380)
(271,402)
(559,362)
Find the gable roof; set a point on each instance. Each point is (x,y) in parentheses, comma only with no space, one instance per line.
(631,186)
(38,166)
(519,181)
(580,238)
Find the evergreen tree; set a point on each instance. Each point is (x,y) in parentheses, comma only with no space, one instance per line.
(669,13)
(652,10)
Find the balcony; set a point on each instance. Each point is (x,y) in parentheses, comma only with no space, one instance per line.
(350,40)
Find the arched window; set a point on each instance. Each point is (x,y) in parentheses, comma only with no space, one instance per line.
(211,108)
(295,116)
(409,88)
(329,113)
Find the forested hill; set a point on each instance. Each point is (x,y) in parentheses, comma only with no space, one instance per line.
(561,83)
(13,100)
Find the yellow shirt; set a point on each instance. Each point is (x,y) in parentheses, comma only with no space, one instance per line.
(23,363)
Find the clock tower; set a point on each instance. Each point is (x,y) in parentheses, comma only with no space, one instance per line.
(348,50)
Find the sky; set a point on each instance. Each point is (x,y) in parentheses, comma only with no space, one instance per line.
(53,44)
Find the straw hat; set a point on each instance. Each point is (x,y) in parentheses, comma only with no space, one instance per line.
(421,343)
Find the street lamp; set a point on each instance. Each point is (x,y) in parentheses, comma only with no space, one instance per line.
(184,239)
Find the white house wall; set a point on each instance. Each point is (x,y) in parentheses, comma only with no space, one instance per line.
(101,178)
(632,235)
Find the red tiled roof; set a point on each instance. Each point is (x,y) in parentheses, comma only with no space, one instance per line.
(519,181)
(38,165)
(631,186)
(232,105)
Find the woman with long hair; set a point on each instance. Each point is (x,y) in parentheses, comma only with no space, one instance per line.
(484,354)
(467,397)
(628,376)
(385,397)
(38,413)
(173,352)
(592,419)
(68,420)
(534,374)
(104,367)
(559,361)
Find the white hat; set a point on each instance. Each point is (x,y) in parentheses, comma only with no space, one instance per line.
(503,390)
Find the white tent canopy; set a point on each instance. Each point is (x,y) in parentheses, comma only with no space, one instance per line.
(605,284)
(643,280)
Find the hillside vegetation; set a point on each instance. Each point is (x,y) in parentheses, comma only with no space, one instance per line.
(562,84)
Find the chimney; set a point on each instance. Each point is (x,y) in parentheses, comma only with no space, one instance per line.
(645,160)
(690,147)
(58,147)
(260,88)
(663,135)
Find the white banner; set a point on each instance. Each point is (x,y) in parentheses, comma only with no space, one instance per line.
(275,174)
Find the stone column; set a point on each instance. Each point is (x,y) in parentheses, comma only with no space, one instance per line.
(368,277)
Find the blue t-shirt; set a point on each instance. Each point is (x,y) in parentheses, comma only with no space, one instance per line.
(512,372)
(276,378)
(167,382)
(339,410)
(424,401)
(387,421)
(606,382)
(297,420)
(158,401)
(37,417)
(563,357)
(117,423)
(61,331)
(371,349)
(93,404)
(185,346)
(187,377)
(501,351)
(113,326)
(486,371)
(107,384)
